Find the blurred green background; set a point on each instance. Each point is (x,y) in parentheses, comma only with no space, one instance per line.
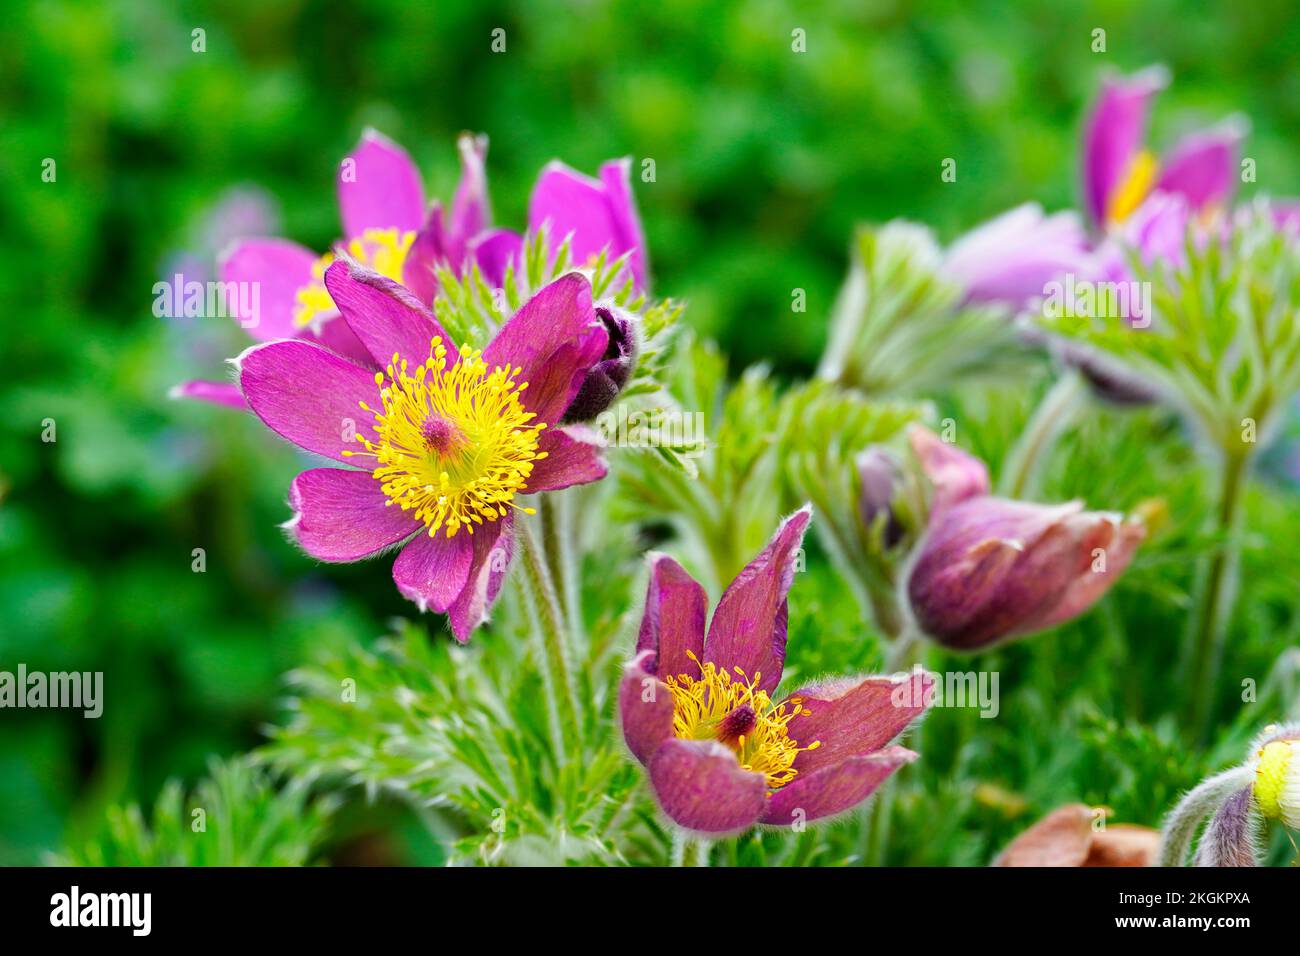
(765,160)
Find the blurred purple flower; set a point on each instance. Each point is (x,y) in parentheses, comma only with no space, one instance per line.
(1119,172)
(597,214)
(879,476)
(385,227)
(1011,258)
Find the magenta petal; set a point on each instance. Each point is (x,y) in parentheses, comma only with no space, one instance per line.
(308,395)
(470,213)
(701,787)
(853,718)
(1286,215)
(954,475)
(573,457)
(672,625)
(432,570)
(1115,132)
(218,393)
(493,551)
(645,706)
(334,334)
(749,625)
(834,788)
(616,175)
(1011,258)
(379,188)
(341,515)
(494,250)
(427,252)
(1202,168)
(1157,229)
(554,338)
(384,315)
(596,214)
(279,268)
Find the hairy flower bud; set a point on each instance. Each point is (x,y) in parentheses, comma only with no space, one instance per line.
(1277,778)
(991,568)
(878,479)
(610,375)
(1266,786)
(1230,838)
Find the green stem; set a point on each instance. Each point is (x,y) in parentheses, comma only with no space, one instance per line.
(549,619)
(1216,594)
(1041,431)
(875,842)
(905,652)
(568,561)
(686,850)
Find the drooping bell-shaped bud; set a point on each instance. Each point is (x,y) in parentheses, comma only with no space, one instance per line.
(611,374)
(879,476)
(991,569)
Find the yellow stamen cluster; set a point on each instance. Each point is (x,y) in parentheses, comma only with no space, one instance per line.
(702,704)
(1277,781)
(1136,184)
(454,445)
(383,250)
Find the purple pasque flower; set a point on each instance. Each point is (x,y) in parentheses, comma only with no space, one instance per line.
(597,214)
(1119,172)
(447,437)
(990,569)
(1010,259)
(697,708)
(386,227)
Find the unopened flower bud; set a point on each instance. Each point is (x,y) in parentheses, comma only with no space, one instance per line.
(610,375)
(1277,780)
(878,479)
(991,569)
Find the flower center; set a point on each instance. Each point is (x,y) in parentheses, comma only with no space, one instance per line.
(734,712)
(383,250)
(454,445)
(1277,783)
(1138,179)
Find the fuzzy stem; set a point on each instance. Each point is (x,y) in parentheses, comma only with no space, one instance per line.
(1051,418)
(561,553)
(1217,591)
(549,630)
(1201,801)
(905,652)
(875,838)
(680,843)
